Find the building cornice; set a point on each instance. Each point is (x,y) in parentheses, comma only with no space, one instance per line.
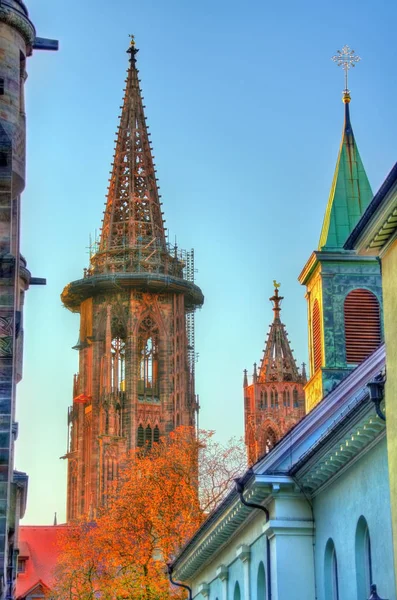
(377,223)
(322,256)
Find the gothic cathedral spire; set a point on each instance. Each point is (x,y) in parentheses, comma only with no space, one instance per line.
(136,304)
(133,234)
(274,402)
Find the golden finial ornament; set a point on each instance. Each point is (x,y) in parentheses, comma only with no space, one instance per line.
(276,285)
(132,40)
(347,59)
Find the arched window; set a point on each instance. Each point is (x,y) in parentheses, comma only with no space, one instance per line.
(156,434)
(272,398)
(362,325)
(261,400)
(270,439)
(178,420)
(296,399)
(265,398)
(276,398)
(261,583)
(363,559)
(285,397)
(316,329)
(237,593)
(140,436)
(331,572)
(118,365)
(148,370)
(148,357)
(148,436)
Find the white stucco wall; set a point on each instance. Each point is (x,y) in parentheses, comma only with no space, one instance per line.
(363,489)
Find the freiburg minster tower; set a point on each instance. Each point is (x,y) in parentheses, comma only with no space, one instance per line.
(136,303)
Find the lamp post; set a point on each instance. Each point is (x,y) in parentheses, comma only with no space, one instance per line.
(374,594)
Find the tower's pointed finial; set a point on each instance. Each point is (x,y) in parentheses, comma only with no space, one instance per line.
(346,58)
(255,374)
(276,299)
(245,381)
(55,519)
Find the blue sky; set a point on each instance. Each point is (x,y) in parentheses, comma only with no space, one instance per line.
(244,106)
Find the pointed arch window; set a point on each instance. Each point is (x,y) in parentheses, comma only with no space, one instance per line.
(261,583)
(362,325)
(363,559)
(296,398)
(148,436)
(265,398)
(272,396)
(316,331)
(148,367)
(237,593)
(270,439)
(118,365)
(276,398)
(140,436)
(156,434)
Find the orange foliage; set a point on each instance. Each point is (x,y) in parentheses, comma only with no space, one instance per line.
(161,497)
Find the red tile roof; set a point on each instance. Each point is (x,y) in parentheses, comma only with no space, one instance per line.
(38,544)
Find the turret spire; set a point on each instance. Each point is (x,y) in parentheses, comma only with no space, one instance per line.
(278,363)
(133,234)
(350,192)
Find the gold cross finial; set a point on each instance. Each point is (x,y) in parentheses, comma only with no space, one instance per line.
(276,285)
(132,40)
(346,58)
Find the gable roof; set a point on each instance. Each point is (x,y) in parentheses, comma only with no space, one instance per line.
(38,545)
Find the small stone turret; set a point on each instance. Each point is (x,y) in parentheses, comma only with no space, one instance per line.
(274,401)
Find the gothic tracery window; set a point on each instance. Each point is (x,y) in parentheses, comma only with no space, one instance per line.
(148,368)
(270,439)
(118,365)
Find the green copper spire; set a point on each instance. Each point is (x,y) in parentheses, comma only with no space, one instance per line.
(350,192)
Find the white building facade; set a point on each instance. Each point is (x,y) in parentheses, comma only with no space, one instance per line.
(323,531)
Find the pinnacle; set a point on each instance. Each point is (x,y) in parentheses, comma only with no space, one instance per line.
(278,362)
(133,232)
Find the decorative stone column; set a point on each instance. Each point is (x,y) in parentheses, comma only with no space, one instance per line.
(291,537)
(244,554)
(222,573)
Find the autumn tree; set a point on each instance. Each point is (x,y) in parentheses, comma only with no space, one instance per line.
(162,495)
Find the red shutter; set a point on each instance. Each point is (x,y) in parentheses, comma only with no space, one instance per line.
(362,325)
(317,348)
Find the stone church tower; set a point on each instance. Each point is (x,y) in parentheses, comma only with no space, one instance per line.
(275,401)
(136,304)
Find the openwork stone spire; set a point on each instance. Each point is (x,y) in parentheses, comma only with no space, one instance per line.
(274,401)
(133,234)
(278,363)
